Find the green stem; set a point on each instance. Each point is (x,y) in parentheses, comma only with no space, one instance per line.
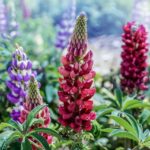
(37,146)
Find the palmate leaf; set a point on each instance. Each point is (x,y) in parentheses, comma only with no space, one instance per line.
(46,130)
(25,145)
(124,134)
(41,140)
(32,115)
(123,123)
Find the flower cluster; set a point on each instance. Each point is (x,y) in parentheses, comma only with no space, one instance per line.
(3,18)
(133,67)
(8,24)
(25,10)
(75,86)
(34,99)
(66,27)
(19,73)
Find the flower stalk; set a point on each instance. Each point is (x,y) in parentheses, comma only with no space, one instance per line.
(76,88)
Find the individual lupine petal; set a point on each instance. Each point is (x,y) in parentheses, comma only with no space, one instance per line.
(29,65)
(134,56)
(87,93)
(77,78)
(12,98)
(15,115)
(19,77)
(34,99)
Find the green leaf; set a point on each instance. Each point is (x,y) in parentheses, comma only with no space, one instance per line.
(25,145)
(4,136)
(146,144)
(36,121)
(17,125)
(14,136)
(46,130)
(49,93)
(133,122)
(118,94)
(6,125)
(107,93)
(123,123)
(108,130)
(130,104)
(41,140)
(31,115)
(144,116)
(124,134)
(104,111)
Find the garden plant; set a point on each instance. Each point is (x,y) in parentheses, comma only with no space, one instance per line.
(55,99)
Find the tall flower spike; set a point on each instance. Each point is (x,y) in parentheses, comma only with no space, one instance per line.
(66,27)
(19,73)
(134,75)
(77,77)
(3,18)
(25,10)
(34,99)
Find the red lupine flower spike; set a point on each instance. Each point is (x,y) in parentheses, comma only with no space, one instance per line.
(34,99)
(77,78)
(134,55)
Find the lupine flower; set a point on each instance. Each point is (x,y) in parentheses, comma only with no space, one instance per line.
(66,27)
(25,10)
(34,99)
(19,73)
(134,75)
(75,86)
(3,18)
(8,24)
(12,24)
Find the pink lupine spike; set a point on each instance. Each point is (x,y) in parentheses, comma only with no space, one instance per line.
(34,99)
(75,85)
(134,58)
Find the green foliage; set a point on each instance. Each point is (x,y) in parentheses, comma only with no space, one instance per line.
(21,131)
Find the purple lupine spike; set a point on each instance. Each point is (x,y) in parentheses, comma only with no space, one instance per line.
(3,18)
(19,73)
(25,10)
(8,24)
(66,27)
(13,24)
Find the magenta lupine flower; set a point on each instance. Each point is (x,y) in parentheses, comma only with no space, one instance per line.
(34,99)
(66,27)
(25,10)
(3,18)
(19,73)
(77,77)
(134,75)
